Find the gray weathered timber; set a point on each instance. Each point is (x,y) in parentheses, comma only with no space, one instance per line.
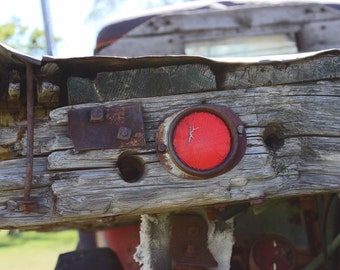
(281,72)
(235,17)
(312,23)
(77,189)
(128,78)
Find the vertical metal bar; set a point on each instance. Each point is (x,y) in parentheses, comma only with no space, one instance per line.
(30,134)
(45,7)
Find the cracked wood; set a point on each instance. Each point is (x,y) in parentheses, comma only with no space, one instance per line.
(77,189)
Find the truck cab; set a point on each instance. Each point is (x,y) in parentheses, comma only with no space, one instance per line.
(202,136)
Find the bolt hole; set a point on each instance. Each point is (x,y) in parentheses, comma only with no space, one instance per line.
(131,167)
(273,138)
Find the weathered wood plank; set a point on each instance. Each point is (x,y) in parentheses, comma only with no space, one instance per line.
(13,173)
(265,74)
(313,24)
(51,136)
(140,45)
(317,35)
(8,135)
(235,17)
(71,187)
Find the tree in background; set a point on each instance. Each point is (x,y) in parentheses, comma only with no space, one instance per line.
(31,42)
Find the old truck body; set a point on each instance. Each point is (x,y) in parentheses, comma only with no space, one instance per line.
(81,148)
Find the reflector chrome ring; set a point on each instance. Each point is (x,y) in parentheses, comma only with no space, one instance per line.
(233,145)
(170,159)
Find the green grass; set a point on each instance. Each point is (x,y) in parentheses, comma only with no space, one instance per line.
(34,250)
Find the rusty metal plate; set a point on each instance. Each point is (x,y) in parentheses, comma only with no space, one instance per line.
(107,128)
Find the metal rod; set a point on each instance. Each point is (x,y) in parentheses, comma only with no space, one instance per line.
(30,132)
(45,7)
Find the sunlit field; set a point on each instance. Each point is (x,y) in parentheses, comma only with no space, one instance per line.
(34,250)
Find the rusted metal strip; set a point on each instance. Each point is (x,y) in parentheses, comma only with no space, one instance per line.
(28,205)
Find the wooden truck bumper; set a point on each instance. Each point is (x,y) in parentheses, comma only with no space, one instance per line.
(289,107)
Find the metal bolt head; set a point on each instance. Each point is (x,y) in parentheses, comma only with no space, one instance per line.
(240,129)
(162,147)
(26,206)
(97,115)
(124,133)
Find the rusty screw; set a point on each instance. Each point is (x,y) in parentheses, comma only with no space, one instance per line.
(26,206)
(97,115)
(124,133)
(240,129)
(162,147)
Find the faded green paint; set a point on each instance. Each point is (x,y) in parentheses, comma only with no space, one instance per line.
(129,80)
(147,82)
(284,72)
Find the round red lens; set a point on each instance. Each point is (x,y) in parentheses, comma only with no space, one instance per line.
(201,140)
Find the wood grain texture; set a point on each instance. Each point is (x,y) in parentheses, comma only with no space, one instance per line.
(74,189)
(313,24)
(236,17)
(109,86)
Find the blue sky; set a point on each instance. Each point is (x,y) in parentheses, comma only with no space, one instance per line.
(68,22)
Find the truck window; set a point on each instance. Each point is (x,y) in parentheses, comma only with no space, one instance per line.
(245,46)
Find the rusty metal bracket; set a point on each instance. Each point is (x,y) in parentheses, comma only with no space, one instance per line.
(107,128)
(188,243)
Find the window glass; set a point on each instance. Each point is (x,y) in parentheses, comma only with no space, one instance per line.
(244,46)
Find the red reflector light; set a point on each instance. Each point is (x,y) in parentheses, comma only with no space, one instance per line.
(272,252)
(201,141)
